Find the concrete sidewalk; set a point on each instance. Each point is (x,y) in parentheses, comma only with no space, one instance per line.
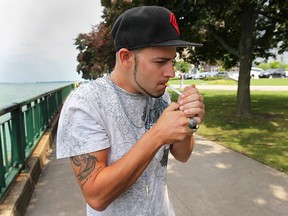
(214,182)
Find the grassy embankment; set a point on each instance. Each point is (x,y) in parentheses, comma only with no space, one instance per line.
(263,136)
(264,82)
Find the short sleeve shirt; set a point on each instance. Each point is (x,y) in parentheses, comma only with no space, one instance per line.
(99,115)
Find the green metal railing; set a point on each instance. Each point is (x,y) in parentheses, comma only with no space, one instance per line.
(21,127)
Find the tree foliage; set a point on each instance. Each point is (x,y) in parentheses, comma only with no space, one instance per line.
(182,66)
(274,64)
(234,32)
(95,48)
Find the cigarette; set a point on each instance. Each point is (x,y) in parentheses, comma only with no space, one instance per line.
(174,89)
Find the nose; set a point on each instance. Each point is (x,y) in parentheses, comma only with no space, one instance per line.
(169,70)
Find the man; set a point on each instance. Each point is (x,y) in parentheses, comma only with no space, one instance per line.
(119,130)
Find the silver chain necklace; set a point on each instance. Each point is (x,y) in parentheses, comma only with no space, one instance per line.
(124,108)
(122,104)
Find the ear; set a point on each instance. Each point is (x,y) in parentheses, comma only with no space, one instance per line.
(125,57)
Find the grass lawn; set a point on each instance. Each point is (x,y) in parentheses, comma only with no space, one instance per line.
(266,82)
(263,136)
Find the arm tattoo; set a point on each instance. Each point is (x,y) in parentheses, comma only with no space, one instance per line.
(86,164)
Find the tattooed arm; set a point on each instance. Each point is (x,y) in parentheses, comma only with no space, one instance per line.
(86,165)
(102,184)
(86,168)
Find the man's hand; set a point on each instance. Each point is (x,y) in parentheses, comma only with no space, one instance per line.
(192,103)
(172,126)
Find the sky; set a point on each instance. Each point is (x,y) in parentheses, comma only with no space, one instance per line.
(37,37)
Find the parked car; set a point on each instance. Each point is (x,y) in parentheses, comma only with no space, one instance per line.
(273,73)
(210,73)
(202,75)
(191,76)
(233,75)
(222,74)
(255,72)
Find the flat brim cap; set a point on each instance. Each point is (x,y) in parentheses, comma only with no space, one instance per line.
(146,26)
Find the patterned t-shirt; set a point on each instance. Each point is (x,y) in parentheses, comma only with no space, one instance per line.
(99,115)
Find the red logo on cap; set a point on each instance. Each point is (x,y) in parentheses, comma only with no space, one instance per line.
(173,21)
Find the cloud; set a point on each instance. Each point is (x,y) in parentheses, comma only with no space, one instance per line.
(37,37)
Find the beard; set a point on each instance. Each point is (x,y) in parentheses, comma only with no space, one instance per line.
(135,72)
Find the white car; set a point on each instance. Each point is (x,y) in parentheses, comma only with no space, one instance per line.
(255,72)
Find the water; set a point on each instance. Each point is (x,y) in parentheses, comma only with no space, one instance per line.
(18,92)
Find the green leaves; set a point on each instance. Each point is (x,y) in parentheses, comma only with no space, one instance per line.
(97,54)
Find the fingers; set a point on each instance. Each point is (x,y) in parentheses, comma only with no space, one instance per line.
(199,116)
(192,103)
(189,90)
(173,106)
(172,126)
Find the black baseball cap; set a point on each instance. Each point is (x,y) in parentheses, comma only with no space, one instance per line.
(146,26)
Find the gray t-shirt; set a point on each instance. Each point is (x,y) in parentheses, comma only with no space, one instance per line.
(99,115)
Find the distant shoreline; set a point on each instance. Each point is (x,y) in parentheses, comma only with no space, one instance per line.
(39,82)
(11,93)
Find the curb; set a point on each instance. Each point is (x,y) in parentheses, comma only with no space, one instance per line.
(18,197)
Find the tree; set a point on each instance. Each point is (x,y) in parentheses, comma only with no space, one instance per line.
(96,49)
(95,56)
(182,66)
(235,32)
(274,64)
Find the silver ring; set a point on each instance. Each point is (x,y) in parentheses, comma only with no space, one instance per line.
(193,124)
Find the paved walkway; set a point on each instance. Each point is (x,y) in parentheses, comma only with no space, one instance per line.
(214,182)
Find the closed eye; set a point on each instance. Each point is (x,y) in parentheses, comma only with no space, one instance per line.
(161,62)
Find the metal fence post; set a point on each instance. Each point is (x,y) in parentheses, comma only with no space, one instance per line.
(18,136)
(2,168)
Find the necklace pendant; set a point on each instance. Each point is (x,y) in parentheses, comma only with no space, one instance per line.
(147,190)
